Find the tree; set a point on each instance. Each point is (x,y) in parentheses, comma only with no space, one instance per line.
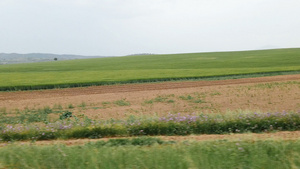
(55,59)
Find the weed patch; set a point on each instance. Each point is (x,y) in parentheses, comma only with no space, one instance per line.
(172,124)
(122,102)
(188,97)
(71,106)
(82,105)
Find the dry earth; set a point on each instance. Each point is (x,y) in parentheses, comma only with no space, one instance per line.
(275,93)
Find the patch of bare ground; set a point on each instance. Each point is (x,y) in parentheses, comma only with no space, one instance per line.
(284,135)
(275,93)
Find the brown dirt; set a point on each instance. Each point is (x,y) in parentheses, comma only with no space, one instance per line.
(275,93)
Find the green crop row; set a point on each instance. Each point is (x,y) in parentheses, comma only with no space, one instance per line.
(44,85)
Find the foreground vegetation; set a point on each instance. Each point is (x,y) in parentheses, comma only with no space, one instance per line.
(69,126)
(155,153)
(132,69)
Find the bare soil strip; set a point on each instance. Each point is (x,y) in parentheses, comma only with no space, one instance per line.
(161,98)
(217,96)
(19,95)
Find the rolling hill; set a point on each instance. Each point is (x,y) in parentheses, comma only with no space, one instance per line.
(144,68)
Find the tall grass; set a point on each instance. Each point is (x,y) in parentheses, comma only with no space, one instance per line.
(173,124)
(135,69)
(210,154)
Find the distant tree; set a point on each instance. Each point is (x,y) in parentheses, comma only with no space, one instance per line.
(55,59)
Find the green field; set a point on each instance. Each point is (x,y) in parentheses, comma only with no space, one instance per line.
(146,68)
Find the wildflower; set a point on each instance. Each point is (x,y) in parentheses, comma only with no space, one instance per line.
(241,148)
(271,127)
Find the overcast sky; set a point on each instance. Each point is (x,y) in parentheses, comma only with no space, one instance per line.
(122,27)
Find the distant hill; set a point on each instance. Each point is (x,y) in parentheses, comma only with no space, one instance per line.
(148,68)
(13,58)
(140,54)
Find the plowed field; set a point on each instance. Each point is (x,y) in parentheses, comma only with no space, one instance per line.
(276,93)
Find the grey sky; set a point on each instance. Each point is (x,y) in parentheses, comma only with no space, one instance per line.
(121,27)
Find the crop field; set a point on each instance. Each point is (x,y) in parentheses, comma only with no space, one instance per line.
(220,122)
(131,69)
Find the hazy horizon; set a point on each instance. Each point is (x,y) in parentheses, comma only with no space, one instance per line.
(66,54)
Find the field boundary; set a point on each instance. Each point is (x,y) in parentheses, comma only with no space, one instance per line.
(150,80)
(282,135)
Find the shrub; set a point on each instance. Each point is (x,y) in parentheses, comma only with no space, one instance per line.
(65,115)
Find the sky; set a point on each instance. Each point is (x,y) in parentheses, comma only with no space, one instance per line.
(124,27)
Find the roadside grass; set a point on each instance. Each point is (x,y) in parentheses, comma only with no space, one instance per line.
(155,153)
(154,68)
